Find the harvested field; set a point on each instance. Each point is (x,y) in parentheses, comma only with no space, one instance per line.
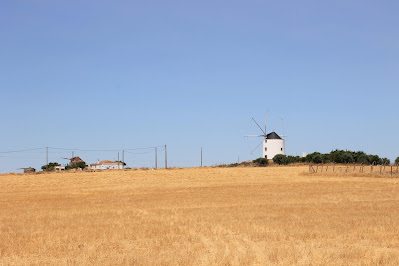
(198,216)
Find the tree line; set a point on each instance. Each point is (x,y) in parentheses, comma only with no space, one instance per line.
(337,156)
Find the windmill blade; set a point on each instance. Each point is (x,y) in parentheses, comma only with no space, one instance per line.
(266,121)
(277,124)
(254,136)
(259,126)
(256,147)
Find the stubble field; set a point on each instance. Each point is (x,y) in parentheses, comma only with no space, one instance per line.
(198,216)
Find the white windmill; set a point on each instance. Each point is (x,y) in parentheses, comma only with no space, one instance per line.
(273,144)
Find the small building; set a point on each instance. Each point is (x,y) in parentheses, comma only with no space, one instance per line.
(76,160)
(28,170)
(59,168)
(105,165)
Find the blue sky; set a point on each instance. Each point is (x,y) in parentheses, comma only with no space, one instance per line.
(127,74)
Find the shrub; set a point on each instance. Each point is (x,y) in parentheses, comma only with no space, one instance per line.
(364,159)
(50,166)
(317,158)
(280,159)
(81,165)
(386,161)
(397,161)
(375,159)
(347,157)
(261,162)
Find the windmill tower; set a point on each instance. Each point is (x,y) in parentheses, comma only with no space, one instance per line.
(273,144)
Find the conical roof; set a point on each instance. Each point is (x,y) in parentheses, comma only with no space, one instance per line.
(273,135)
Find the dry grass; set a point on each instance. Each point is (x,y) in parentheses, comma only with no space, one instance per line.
(273,215)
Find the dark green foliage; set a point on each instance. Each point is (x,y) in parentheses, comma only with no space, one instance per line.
(261,162)
(121,162)
(50,166)
(347,158)
(375,159)
(363,159)
(317,158)
(337,156)
(397,161)
(81,165)
(280,159)
(284,160)
(386,161)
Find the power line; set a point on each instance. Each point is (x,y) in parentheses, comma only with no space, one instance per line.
(66,149)
(22,150)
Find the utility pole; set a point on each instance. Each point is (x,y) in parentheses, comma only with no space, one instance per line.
(123,158)
(73,154)
(46,158)
(156,159)
(201,156)
(166,158)
(119,163)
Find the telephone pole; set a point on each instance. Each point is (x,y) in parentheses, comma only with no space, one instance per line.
(156,159)
(166,158)
(201,156)
(46,158)
(123,158)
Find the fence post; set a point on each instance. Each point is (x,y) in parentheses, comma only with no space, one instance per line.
(391,169)
(347,166)
(327,168)
(333,167)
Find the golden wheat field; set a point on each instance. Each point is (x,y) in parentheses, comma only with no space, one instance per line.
(198,216)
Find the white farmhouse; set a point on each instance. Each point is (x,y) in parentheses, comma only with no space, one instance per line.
(105,165)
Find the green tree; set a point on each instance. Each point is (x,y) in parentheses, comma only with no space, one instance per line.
(81,165)
(375,159)
(280,159)
(50,166)
(261,162)
(317,158)
(397,161)
(386,161)
(347,157)
(363,158)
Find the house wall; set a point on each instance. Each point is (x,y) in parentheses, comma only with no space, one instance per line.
(106,166)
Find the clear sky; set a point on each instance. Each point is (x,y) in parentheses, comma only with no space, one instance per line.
(127,74)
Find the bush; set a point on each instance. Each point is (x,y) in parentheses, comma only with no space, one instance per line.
(347,157)
(317,158)
(280,159)
(386,161)
(261,162)
(364,159)
(81,165)
(397,161)
(375,159)
(50,166)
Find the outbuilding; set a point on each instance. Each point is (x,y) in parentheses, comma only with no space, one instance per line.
(105,165)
